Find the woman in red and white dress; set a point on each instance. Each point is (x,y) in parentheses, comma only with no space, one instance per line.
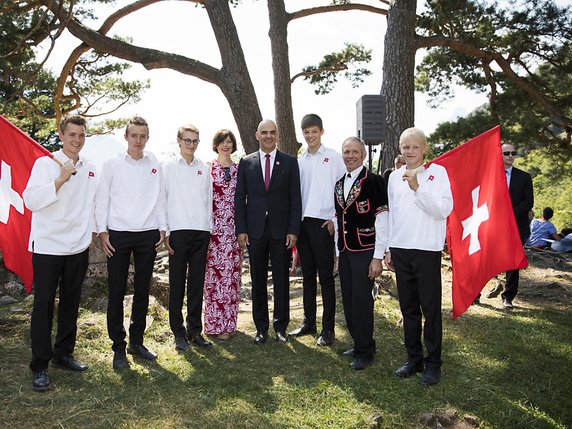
(224,261)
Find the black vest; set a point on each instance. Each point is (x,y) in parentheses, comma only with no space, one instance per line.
(356,216)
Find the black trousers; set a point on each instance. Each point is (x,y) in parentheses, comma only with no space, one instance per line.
(418,274)
(316,249)
(259,250)
(511,285)
(142,246)
(187,265)
(358,300)
(51,271)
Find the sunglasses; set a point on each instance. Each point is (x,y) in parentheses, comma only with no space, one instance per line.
(513,153)
(226,171)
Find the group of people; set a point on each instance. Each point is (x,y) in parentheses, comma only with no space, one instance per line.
(329,205)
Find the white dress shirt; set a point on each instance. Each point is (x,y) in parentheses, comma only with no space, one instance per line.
(508,172)
(318,176)
(188,195)
(62,221)
(418,219)
(130,195)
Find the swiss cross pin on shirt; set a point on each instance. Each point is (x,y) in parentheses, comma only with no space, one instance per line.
(430,178)
(199,172)
(326,160)
(153,171)
(91,174)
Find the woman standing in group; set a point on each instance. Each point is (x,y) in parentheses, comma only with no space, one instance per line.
(224,260)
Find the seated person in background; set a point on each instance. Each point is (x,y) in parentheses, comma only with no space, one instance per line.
(398,162)
(565,244)
(541,229)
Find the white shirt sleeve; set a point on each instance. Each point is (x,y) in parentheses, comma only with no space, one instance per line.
(40,191)
(381,234)
(102,197)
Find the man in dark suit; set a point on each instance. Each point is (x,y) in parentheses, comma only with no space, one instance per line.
(521,195)
(361,211)
(268,212)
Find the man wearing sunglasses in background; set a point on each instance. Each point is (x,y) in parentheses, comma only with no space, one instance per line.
(188,193)
(520,189)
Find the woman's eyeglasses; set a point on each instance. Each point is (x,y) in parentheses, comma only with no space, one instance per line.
(226,171)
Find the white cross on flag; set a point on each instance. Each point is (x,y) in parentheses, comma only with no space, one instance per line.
(482,235)
(18,152)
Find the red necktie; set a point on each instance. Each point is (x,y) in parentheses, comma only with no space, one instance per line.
(267,172)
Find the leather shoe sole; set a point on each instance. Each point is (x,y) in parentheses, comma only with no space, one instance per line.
(361,363)
(408,369)
(303,330)
(141,351)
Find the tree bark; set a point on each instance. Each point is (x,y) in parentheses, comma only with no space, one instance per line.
(278,34)
(398,76)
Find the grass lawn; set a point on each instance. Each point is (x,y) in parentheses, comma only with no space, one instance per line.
(507,369)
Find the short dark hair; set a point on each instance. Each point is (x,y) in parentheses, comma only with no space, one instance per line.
(136,120)
(72,119)
(221,136)
(547,213)
(312,120)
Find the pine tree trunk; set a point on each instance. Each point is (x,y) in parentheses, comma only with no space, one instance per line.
(398,75)
(278,34)
(235,83)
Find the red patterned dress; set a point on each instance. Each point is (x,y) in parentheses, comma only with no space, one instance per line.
(223,275)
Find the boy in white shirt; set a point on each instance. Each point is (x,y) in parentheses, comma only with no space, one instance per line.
(419,202)
(188,195)
(62,201)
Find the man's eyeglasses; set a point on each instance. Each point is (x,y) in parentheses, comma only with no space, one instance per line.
(226,171)
(190,141)
(512,153)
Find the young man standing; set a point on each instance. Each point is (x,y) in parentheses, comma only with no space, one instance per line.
(130,217)
(320,169)
(419,202)
(188,194)
(62,201)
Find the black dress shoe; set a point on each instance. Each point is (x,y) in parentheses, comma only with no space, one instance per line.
(281,337)
(199,341)
(430,376)
(361,363)
(181,343)
(303,330)
(326,338)
(68,362)
(348,353)
(142,351)
(41,381)
(260,338)
(408,369)
(120,360)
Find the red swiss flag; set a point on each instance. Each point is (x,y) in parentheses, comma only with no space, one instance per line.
(18,152)
(482,235)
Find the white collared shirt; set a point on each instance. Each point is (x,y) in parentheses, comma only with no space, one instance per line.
(418,219)
(188,195)
(508,172)
(62,221)
(130,195)
(263,161)
(350,179)
(318,176)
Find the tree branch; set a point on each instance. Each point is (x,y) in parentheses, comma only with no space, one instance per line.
(337,8)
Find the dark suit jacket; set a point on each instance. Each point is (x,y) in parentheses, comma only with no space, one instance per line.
(282,202)
(521,196)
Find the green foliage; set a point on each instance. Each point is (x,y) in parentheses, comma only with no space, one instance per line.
(348,60)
